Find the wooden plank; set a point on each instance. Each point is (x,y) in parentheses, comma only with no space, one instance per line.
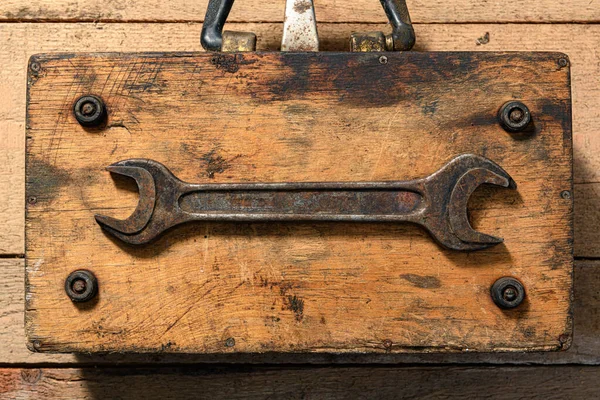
(19,41)
(363,11)
(299,287)
(584,350)
(385,382)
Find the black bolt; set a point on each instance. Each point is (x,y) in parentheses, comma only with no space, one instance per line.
(383,60)
(230,342)
(507,292)
(514,116)
(89,111)
(563,62)
(565,194)
(81,285)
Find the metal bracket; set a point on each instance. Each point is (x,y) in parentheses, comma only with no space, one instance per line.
(300,29)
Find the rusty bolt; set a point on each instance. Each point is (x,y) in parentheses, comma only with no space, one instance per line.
(563,62)
(81,286)
(383,60)
(565,194)
(387,344)
(230,342)
(507,292)
(89,111)
(514,116)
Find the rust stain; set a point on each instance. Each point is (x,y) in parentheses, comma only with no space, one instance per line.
(301,6)
(423,282)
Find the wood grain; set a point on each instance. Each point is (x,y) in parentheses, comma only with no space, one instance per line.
(19,41)
(361,11)
(384,382)
(584,350)
(305,287)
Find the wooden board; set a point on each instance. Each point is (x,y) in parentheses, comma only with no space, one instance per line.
(357,11)
(19,41)
(585,348)
(297,287)
(383,382)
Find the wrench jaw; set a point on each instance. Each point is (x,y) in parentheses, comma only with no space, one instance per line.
(149,218)
(450,189)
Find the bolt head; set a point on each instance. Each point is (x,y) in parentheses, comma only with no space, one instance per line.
(514,116)
(89,111)
(35,67)
(507,292)
(81,286)
(230,342)
(383,60)
(563,62)
(565,194)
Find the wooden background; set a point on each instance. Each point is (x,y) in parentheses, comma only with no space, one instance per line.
(33,26)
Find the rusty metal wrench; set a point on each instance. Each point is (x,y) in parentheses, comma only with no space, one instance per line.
(437,202)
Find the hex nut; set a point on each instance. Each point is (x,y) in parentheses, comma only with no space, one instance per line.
(507,292)
(89,111)
(514,116)
(81,286)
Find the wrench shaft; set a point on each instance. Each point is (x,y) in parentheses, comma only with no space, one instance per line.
(316,202)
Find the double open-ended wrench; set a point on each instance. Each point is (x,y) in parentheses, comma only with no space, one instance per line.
(437,202)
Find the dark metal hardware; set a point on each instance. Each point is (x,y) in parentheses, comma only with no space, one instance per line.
(507,292)
(514,116)
(89,111)
(81,286)
(438,202)
(402,37)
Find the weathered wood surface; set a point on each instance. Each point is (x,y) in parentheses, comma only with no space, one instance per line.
(361,11)
(307,382)
(299,287)
(584,350)
(19,41)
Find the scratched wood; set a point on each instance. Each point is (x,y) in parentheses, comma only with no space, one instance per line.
(307,287)
(19,41)
(585,348)
(358,11)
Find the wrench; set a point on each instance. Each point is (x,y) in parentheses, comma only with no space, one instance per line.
(437,202)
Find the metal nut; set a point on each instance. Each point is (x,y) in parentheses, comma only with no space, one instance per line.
(81,286)
(507,292)
(514,116)
(89,111)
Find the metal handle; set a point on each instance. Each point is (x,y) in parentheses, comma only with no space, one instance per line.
(212,29)
(402,37)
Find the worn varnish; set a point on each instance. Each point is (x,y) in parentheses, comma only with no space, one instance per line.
(297,287)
